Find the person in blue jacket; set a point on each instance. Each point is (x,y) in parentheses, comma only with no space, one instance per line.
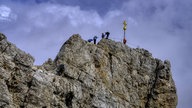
(90,40)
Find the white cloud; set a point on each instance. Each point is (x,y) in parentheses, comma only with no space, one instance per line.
(49,13)
(132,21)
(6,13)
(114,13)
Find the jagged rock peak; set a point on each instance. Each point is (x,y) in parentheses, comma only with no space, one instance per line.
(84,75)
(2,36)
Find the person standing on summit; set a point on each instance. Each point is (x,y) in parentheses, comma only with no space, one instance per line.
(103,35)
(107,35)
(94,39)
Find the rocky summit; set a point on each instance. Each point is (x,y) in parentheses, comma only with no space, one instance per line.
(85,75)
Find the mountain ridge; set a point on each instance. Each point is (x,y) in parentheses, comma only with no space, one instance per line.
(85,75)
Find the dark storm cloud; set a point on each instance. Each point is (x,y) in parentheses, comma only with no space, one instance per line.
(173,12)
(102,6)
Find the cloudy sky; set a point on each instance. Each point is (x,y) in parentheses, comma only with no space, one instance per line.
(164,27)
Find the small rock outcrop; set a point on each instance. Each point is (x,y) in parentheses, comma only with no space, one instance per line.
(84,75)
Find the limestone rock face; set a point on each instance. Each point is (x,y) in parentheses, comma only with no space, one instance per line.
(85,75)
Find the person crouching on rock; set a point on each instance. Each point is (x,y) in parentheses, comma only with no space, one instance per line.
(90,40)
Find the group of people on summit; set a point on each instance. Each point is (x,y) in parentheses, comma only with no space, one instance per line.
(102,36)
(107,34)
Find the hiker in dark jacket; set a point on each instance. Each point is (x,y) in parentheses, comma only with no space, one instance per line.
(103,35)
(107,35)
(94,39)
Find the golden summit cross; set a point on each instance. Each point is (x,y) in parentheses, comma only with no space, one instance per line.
(125,25)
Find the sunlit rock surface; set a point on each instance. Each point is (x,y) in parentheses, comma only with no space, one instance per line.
(84,75)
